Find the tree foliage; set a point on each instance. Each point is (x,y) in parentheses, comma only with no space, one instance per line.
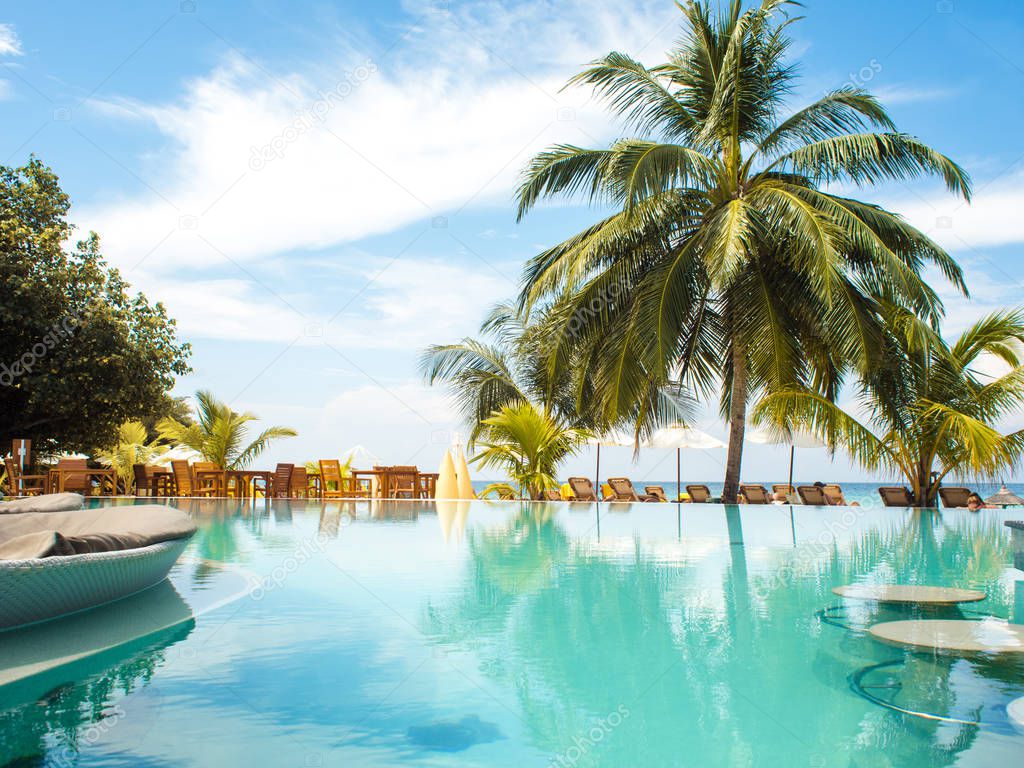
(728,260)
(79,354)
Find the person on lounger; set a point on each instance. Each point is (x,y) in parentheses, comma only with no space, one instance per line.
(975,502)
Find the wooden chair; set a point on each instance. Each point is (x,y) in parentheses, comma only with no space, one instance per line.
(895,496)
(834,494)
(299,483)
(754,494)
(623,489)
(281,482)
(185,485)
(19,484)
(428,486)
(812,495)
(332,484)
(784,488)
(144,475)
(582,489)
(954,497)
(403,482)
(699,494)
(657,492)
(71,480)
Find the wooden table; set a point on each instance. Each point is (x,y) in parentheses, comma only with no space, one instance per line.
(244,480)
(56,479)
(378,477)
(428,484)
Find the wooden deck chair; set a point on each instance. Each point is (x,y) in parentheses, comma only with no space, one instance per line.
(281,482)
(784,488)
(895,496)
(812,495)
(144,475)
(699,494)
(299,483)
(755,494)
(954,497)
(657,492)
(332,484)
(834,494)
(19,484)
(75,482)
(582,489)
(550,495)
(184,483)
(623,489)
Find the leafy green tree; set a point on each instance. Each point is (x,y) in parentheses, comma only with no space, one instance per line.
(931,413)
(528,445)
(79,355)
(728,256)
(219,433)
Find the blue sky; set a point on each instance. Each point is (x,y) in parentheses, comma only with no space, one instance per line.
(319,190)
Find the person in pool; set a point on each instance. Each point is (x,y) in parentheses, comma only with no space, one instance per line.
(975,502)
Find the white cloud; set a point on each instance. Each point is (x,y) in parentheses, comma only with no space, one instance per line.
(444,120)
(891,95)
(10,45)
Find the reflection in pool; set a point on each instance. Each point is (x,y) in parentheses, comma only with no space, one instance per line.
(375,633)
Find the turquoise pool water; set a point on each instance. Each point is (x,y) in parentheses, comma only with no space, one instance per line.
(474,634)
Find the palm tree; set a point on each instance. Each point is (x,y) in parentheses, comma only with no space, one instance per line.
(729,256)
(529,445)
(219,433)
(132,448)
(932,414)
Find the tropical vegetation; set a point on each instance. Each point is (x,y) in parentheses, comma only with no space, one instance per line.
(220,433)
(730,258)
(931,410)
(79,354)
(133,447)
(528,444)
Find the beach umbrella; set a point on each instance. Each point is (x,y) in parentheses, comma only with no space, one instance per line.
(614,439)
(797,439)
(1005,498)
(359,455)
(178,453)
(463,481)
(679,436)
(447,486)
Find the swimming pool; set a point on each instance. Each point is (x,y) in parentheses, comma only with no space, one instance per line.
(373,634)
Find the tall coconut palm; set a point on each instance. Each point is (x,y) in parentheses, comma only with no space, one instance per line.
(931,413)
(729,256)
(528,445)
(219,433)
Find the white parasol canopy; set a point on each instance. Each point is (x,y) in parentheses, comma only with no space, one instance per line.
(447,486)
(680,436)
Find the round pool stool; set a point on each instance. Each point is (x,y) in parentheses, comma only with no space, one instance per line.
(1015,711)
(909,594)
(986,636)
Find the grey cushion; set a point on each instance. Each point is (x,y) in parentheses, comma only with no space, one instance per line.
(106,529)
(50,502)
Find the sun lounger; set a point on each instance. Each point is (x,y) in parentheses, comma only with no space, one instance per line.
(812,495)
(894,496)
(954,497)
(623,489)
(48,502)
(783,488)
(835,496)
(550,495)
(755,494)
(657,492)
(699,494)
(582,489)
(54,563)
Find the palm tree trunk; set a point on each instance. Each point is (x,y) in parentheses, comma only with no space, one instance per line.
(737,423)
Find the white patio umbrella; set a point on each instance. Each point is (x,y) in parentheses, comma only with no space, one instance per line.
(679,436)
(178,453)
(797,439)
(359,455)
(612,439)
(1005,498)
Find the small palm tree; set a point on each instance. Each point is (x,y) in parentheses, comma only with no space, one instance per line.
(729,257)
(528,445)
(931,413)
(131,448)
(219,433)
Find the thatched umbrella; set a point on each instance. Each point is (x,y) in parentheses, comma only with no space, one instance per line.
(1005,499)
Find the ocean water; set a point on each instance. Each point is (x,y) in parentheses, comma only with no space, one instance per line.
(517,634)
